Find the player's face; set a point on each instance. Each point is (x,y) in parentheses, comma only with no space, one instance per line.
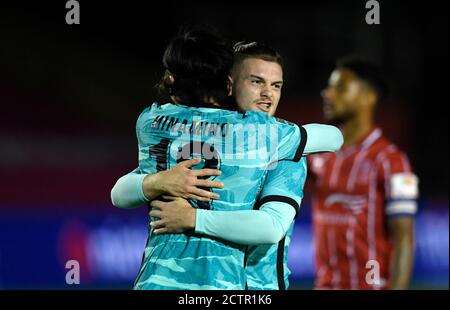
(341,96)
(257,85)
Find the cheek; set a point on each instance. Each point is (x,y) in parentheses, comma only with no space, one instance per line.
(345,106)
(277,96)
(276,101)
(341,105)
(250,94)
(243,98)
(350,101)
(351,95)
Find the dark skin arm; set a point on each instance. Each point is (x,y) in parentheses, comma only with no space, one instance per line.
(401,230)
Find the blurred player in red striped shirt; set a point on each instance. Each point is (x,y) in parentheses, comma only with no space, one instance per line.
(364,196)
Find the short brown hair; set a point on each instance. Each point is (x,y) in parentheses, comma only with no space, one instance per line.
(243,50)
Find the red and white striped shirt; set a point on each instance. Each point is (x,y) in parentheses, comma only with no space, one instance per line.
(354,190)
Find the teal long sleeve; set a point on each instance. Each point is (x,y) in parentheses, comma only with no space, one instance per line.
(267,225)
(322,138)
(127,193)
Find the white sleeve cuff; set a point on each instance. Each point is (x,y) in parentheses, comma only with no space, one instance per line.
(140,190)
(401,207)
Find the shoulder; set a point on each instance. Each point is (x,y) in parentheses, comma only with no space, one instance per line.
(264,118)
(389,155)
(283,121)
(284,124)
(147,114)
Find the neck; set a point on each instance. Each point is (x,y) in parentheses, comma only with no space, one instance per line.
(214,103)
(356,128)
(209,101)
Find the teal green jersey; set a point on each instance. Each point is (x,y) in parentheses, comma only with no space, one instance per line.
(244,146)
(266,265)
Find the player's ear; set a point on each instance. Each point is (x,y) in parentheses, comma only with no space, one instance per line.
(169,78)
(230,86)
(369,97)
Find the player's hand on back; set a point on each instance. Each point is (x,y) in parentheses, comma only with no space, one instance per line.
(181,181)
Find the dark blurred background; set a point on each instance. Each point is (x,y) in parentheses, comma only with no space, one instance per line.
(70,96)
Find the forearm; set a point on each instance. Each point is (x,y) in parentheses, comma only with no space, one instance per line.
(402,264)
(322,138)
(128,193)
(152,186)
(265,226)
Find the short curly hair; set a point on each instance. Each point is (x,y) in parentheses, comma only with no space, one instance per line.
(244,50)
(367,71)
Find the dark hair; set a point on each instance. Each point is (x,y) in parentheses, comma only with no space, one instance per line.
(243,50)
(197,61)
(367,71)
